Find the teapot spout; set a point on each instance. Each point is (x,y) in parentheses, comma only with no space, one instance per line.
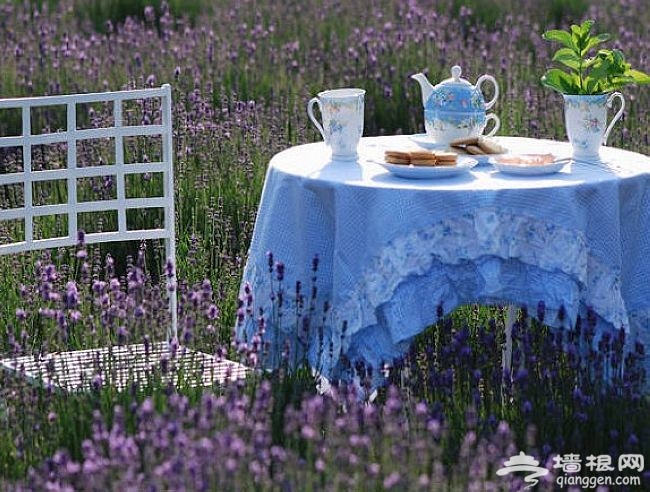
(425,86)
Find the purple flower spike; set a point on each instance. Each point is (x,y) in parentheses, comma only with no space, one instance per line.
(97,382)
(170,271)
(541,311)
(122,334)
(279,270)
(212,312)
(71,297)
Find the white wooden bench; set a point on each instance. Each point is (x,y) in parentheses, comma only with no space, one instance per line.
(77,369)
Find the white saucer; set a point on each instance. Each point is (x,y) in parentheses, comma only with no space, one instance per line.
(463,165)
(530,170)
(425,141)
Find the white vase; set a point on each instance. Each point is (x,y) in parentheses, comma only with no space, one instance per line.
(585,117)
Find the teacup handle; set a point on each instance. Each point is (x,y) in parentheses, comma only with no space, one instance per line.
(497,123)
(310,113)
(493,81)
(617,116)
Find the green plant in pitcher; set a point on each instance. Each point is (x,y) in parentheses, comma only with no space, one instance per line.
(582,73)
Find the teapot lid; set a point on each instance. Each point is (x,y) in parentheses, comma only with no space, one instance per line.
(456,78)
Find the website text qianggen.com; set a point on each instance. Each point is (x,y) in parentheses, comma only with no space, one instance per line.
(592,482)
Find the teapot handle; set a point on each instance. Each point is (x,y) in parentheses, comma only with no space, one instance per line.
(491,79)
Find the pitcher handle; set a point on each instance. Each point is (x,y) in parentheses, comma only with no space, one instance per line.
(491,79)
(310,113)
(617,116)
(497,123)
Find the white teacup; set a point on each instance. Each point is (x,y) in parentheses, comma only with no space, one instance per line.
(342,114)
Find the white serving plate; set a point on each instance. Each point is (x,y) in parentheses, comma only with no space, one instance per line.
(524,169)
(463,165)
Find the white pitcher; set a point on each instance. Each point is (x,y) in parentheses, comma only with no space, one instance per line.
(586,122)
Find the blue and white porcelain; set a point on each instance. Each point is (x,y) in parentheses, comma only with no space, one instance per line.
(342,114)
(455,108)
(585,117)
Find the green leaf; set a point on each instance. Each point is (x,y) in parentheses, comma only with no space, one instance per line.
(614,84)
(568,57)
(622,79)
(586,26)
(576,38)
(599,77)
(601,68)
(638,77)
(591,85)
(594,41)
(580,34)
(618,57)
(561,81)
(559,36)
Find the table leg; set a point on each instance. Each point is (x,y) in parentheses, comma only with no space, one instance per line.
(511,317)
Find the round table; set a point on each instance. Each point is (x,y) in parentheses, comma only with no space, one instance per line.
(390,251)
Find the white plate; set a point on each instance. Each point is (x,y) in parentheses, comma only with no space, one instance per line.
(463,165)
(425,141)
(530,170)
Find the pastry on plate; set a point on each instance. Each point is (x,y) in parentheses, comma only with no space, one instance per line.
(423,158)
(397,157)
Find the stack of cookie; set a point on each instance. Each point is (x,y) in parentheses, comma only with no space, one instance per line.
(478,146)
(421,158)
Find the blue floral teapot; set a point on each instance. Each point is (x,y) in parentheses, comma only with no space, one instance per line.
(455,108)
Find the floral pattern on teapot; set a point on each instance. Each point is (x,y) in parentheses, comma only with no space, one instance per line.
(444,130)
(455,108)
(455,123)
(447,99)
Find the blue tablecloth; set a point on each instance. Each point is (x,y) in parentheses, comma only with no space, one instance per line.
(390,250)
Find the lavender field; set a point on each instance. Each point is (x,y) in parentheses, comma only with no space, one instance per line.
(241,74)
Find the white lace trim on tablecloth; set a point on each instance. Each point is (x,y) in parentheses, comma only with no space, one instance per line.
(479,238)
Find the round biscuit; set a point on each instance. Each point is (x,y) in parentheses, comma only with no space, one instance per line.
(490,146)
(475,150)
(393,160)
(447,156)
(397,154)
(465,141)
(424,162)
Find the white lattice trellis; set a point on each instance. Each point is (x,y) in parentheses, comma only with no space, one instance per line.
(77,362)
